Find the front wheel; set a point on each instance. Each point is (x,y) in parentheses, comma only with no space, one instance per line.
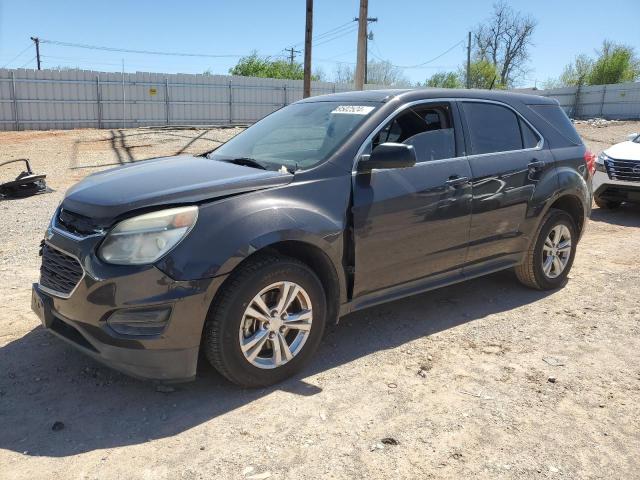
(267,321)
(550,256)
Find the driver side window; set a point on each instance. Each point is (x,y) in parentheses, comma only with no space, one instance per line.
(429,128)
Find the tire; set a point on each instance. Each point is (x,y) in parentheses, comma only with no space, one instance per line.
(228,323)
(606,204)
(531,272)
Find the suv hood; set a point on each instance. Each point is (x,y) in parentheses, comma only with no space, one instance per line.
(624,151)
(107,195)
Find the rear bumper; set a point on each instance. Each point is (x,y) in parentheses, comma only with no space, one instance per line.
(85,316)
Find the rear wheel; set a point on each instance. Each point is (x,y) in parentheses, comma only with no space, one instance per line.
(267,321)
(550,256)
(606,204)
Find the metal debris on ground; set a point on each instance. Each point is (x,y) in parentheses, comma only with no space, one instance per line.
(25,184)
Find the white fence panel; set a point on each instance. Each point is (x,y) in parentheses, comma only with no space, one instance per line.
(52,99)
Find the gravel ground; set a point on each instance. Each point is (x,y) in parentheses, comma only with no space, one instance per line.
(484,379)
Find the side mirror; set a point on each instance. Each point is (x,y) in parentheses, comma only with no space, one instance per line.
(388,155)
(632,136)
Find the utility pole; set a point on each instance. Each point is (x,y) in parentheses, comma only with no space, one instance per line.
(308,31)
(361,59)
(469,61)
(292,54)
(368,37)
(36,40)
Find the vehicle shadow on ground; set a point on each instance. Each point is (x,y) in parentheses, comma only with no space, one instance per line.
(627,215)
(43,380)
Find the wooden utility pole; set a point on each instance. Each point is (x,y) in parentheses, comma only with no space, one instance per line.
(36,40)
(292,54)
(308,31)
(469,61)
(361,59)
(366,45)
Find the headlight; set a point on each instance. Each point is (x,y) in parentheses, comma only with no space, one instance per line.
(146,238)
(600,166)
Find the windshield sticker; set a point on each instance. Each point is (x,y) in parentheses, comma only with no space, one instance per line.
(352,109)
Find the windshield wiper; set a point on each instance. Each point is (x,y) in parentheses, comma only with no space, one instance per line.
(247,162)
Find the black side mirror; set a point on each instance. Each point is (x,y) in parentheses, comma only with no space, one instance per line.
(388,155)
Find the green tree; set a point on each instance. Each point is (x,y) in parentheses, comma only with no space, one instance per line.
(444,80)
(615,64)
(256,66)
(577,72)
(483,74)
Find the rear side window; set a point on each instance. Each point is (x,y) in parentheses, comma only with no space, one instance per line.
(555,116)
(492,128)
(429,128)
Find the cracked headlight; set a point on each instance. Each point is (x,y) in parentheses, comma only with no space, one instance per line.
(146,238)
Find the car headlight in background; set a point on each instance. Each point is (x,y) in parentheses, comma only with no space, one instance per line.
(144,239)
(600,166)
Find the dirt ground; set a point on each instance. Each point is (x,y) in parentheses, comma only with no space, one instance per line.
(485,379)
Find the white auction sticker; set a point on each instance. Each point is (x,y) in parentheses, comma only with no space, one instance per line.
(353,109)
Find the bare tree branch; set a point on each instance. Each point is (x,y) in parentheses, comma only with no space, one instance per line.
(504,40)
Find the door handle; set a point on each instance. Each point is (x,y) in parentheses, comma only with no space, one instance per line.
(455,181)
(536,165)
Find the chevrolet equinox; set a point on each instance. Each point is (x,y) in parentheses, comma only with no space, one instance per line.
(326,206)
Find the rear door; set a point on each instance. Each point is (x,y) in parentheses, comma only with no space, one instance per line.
(507,160)
(412,223)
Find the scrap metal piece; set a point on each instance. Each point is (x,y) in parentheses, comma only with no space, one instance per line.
(25,184)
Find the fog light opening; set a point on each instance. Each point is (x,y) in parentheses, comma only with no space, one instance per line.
(140,321)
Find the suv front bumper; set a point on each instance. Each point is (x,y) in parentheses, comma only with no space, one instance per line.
(82,317)
(615,190)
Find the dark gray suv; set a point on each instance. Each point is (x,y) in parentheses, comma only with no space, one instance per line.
(329,205)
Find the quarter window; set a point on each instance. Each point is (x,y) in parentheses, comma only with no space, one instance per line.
(530,138)
(492,128)
(429,128)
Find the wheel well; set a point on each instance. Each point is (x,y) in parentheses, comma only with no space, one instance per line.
(573,206)
(319,262)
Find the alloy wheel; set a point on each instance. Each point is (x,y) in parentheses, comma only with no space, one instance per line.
(275,325)
(556,251)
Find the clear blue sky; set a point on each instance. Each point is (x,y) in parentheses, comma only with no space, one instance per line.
(407,33)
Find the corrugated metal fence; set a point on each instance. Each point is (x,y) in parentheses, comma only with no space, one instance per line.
(52,99)
(619,101)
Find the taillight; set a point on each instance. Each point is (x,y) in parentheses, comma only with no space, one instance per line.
(590,160)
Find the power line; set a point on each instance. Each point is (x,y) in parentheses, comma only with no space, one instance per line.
(27,63)
(144,52)
(17,56)
(327,33)
(353,29)
(420,65)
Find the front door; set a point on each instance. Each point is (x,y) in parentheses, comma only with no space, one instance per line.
(412,223)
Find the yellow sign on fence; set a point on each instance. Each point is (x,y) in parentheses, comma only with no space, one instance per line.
(153,91)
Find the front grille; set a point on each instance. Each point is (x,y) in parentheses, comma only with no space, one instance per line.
(59,272)
(625,170)
(76,223)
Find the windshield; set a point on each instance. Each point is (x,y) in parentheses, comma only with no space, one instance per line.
(297,137)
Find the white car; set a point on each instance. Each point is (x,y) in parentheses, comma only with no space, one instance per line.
(617,177)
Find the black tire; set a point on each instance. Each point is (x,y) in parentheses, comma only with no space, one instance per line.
(221,343)
(530,273)
(606,204)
